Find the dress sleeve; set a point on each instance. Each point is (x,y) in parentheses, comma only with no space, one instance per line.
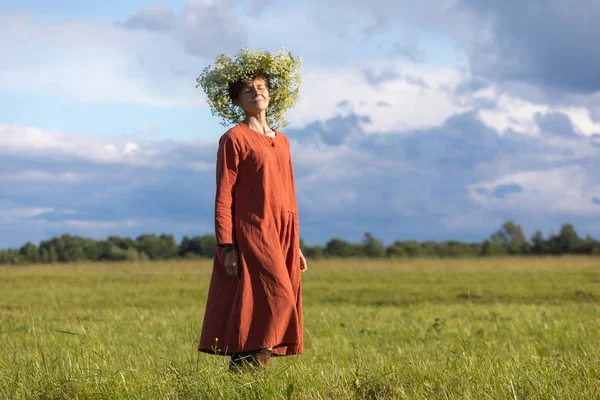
(227,171)
(292,179)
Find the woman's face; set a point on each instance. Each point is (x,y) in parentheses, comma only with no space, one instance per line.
(254,97)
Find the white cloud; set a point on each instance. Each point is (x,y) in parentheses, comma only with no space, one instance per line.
(94,61)
(32,140)
(127,223)
(419,97)
(23,212)
(200,166)
(40,175)
(151,130)
(559,190)
(130,147)
(518,115)
(581,118)
(204,28)
(514,114)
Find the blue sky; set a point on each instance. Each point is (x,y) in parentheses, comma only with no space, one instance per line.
(437,120)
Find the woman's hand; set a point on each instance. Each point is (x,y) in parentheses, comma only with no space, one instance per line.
(232,263)
(303,265)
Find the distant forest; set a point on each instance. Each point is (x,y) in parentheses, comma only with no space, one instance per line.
(508,240)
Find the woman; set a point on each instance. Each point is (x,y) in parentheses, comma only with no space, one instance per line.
(254,305)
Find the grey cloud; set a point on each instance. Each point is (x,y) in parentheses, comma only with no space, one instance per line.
(419,179)
(376,26)
(461,142)
(155,18)
(257,7)
(389,75)
(173,198)
(211,29)
(204,29)
(595,138)
(332,132)
(385,76)
(415,81)
(407,50)
(595,110)
(555,123)
(175,70)
(552,44)
(471,84)
(501,191)
(396,185)
(404,183)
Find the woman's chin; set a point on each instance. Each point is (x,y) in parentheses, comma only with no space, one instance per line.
(255,110)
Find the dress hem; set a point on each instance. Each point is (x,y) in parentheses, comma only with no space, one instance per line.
(295,349)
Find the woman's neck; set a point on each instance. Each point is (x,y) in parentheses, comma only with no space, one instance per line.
(258,123)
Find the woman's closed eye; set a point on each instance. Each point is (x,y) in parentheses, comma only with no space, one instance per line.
(259,89)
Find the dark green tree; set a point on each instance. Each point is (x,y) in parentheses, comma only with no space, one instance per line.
(538,244)
(396,249)
(567,240)
(510,236)
(201,246)
(30,252)
(340,248)
(373,247)
(490,248)
(413,248)
(157,247)
(314,252)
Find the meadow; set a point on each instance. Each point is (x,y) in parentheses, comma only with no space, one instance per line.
(495,328)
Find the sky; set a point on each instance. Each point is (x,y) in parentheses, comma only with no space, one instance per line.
(431,120)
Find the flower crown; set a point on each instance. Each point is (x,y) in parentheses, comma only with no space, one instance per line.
(281,69)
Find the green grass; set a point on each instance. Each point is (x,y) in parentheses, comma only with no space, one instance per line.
(510,328)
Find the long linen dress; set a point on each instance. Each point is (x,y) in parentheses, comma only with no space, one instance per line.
(255,208)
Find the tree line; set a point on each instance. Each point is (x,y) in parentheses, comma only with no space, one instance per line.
(508,240)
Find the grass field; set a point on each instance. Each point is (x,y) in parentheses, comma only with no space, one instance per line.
(506,328)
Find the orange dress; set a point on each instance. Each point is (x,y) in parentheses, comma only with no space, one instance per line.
(255,208)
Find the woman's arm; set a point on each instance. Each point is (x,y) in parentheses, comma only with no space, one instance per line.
(227,171)
(303,263)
